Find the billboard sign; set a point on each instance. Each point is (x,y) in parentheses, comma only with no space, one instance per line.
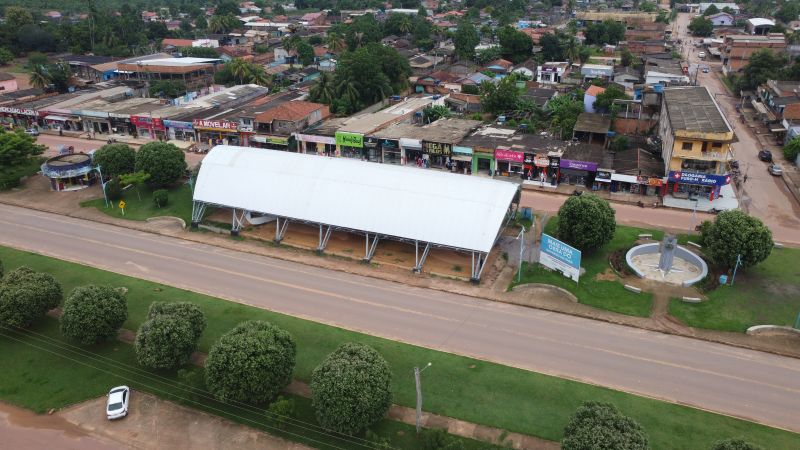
(561,257)
(345,139)
(699,178)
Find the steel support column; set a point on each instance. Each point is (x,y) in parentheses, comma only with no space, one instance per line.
(369,249)
(198,211)
(324,237)
(478,265)
(419,260)
(280,229)
(237,221)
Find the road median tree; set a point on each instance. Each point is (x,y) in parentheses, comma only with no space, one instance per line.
(600,426)
(733,234)
(93,314)
(26,295)
(586,222)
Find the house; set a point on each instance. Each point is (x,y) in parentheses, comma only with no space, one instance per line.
(540,96)
(228,53)
(249,7)
(738,48)
(552,72)
(327,65)
(590,97)
(721,19)
(592,71)
(424,62)
(313,19)
(665,72)
(435,81)
(758,26)
(627,77)
(780,99)
(646,47)
(291,117)
(8,83)
(149,16)
(53,16)
(645,31)
(464,103)
(174,45)
(500,66)
(475,79)
(535,33)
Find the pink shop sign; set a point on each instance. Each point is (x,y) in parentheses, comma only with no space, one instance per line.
(508,155)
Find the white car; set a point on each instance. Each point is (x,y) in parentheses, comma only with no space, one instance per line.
(701,55)
(117,405)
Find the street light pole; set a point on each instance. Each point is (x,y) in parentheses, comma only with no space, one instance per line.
(102,185)
(417,380)
(521,237)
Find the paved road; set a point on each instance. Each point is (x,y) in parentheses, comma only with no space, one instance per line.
(763,195)
(734,381)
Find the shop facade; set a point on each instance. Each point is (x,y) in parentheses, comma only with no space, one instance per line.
(269,142)
(372,151)
(462,160)
(602,180)
(149,127)
(391,152)
(62,119)
(216,132)
(179,130)
(311,143)
(509,162)
(95,122)
(437,154)
(483,161)
(350,145)
(553,174)
(693,185)
(578,173)
(649,186)
(411,150)
(18,117)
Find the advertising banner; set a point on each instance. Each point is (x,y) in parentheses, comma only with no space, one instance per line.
(541,161)
(699,178)
(177,125)
(437,148)
(578,165)
(315,139)
(508,155)
(345,139)
(561,257)
(147,122)
(20,111)
(216,125)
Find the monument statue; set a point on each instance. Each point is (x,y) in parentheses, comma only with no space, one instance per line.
(667,249)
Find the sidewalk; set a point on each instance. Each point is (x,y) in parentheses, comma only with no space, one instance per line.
(119,138)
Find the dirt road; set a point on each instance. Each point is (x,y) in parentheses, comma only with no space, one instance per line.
(744,383)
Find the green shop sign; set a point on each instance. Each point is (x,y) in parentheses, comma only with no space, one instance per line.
(345,139)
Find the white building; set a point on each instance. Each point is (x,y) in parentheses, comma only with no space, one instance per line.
(720,6)
(721,19)
(551,72)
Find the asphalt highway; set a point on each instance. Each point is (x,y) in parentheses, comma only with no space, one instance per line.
(749,384)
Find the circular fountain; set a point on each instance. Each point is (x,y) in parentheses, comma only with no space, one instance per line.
(667,261)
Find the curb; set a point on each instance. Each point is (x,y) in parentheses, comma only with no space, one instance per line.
(691,299)
(167,219)
(772,330)
(612,320)
(633,289)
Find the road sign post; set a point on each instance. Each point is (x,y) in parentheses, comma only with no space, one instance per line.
(122,206)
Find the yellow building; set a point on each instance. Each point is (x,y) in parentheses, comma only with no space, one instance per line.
(696,143)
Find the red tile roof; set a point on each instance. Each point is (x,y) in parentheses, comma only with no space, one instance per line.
(505,64)
(594,91)
(293,111)
(176,42)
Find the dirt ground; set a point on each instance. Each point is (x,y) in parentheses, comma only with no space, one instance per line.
(21,429)
(153,423)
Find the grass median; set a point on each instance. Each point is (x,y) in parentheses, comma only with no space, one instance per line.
(456,386)
(767,294)
(139,205)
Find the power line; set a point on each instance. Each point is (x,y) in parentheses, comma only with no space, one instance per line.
(60,345)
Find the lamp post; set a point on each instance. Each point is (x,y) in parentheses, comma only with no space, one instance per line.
(102,184)
(521,237)
(417,372)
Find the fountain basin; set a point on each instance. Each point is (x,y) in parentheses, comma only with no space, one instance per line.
(687,268)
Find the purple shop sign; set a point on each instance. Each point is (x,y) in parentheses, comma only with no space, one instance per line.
(578,165)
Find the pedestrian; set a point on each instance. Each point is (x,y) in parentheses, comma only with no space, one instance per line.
(745,178)
(60,131)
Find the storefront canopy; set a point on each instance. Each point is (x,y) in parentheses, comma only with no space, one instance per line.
(439,208)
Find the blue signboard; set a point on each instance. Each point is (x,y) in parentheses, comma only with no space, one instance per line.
(560,256)
(704,179)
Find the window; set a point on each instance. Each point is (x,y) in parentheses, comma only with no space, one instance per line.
(687,146)
(716,145)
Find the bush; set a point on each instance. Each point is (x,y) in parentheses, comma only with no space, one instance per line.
(188,312)
(734,444)
(350,389)
(735,233)
(115,160)
(165,163)
(280,411)
(438,439)
(26,295)
(600,426)
(113,189)
(586,222)
(93,314)
(164,342)
(160,197)
(251,363)
(792,149)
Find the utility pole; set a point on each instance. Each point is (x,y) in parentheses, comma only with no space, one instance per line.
(417,372)
(521,237)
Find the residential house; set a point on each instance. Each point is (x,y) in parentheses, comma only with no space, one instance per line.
(648,47)
(695,143)
(536,33)
(665,72)
(738,48)
(149,16)
(437,82)
(758,26)
(721,19)
(249,7)
(423,63)
(53,16)
(779,100)
(313,19)
(540,96)
(627,77)
(500,67)
(228,53)
(475,79)
(171,45)
(645,31)
(8,83)
(464,103)
(552,72)
(592,71)
(590,96)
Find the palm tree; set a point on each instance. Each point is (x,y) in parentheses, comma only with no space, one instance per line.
(239,68)
(336,42)
(572,48)
(349,91)
(359,38)
(40,77)
(323,90)
(259,76)
(405,25)
(375,88)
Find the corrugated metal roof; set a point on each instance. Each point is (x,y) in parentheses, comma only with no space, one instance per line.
(418,204)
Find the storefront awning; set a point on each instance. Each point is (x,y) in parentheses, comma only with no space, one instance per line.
(602,180)
(456,157)
(624,178)
(56,118)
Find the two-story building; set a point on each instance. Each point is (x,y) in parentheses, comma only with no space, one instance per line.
(290,117)
(738,48)
(696,143)
(551,72)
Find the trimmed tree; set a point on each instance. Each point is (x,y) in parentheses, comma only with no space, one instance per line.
(115,160)
(26,296)
(188,312)
(586,222)
(165,163)
(350,389)
(252,363)
(600,426)
(734,444)
(164,342)
(93,314)
(735,233)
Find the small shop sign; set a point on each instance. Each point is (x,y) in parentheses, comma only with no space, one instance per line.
(704,179)
(437,148)
(508,155)
(217,125)
(346,139)
(578,165)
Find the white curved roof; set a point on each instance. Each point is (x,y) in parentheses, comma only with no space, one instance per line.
(445,209)
(760,22)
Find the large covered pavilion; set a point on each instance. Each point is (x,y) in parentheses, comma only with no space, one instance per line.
(424,207)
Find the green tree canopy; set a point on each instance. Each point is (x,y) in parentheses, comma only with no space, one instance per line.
(564,111)
(734,444)
(515,45)
(551,47)
(185,311)
(606,98)
(792,149)
(252,363)
(93,314)
(199,52)
(711,10)
(115,159)
(501,96)
(465,39)
(305,53)
(165,163)
(600,426)
(762,66)
(606,32)
(700,26)
(351,390)
(26,295)
(17,147)
(735,233)
(586,222)
(164,342)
